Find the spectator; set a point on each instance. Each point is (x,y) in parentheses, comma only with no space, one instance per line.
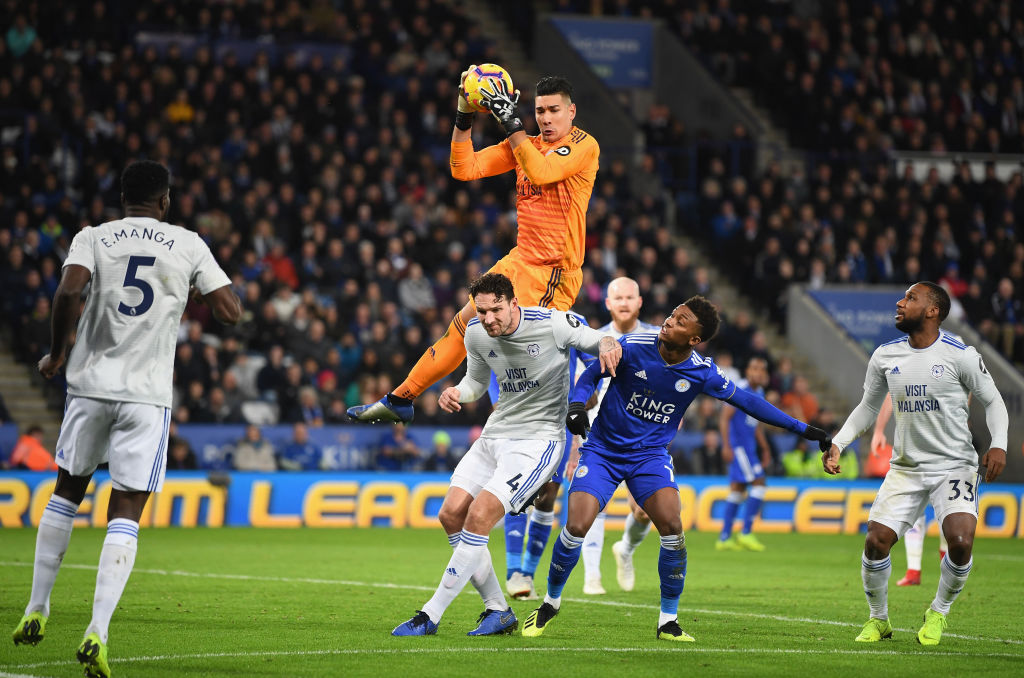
(253,452)
(29,452)
(441,457)
(397,451)
(180,456)
(312,412)
(706,458)
(300,454)
(800,402)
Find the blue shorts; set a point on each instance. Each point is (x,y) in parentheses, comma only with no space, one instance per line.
(600,472)
(746,466)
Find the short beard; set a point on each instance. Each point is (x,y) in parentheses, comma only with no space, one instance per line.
(908,325)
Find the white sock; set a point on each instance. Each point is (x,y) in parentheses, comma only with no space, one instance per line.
(463,564)
(952,578)
(51,543)
(116,561)
(635,533)
(593,543)
(553,602)
(484,580)
(665,617)
(875,575)
(914,541)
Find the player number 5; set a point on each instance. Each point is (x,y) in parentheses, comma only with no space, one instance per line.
(131,281)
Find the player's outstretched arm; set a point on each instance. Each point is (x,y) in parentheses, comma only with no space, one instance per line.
(878,438)
(762,410)
(464,114)
(67,306)
(830,460)
(224,304)
(586,384)
(979,381)
(723,432)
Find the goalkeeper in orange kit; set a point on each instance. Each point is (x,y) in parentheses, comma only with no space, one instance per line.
(555,174)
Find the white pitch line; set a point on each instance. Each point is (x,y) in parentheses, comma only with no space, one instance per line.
(4,674)
(589,601)
(1016,559)
(494,650)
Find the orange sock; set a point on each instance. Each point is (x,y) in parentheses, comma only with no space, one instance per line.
(438,362)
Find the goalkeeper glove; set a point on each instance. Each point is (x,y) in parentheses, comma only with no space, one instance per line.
(815,433)
(502,104)
(464,116)
(577,420)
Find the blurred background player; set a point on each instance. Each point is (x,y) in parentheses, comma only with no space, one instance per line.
(742,439)
(929,374)
(528,348)
(555,173)
(658,377)
(119,385)
(913,540)
(623,302)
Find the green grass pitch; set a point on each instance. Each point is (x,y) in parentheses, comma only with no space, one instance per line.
(247,602)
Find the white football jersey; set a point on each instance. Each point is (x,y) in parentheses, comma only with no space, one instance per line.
(532,367)
(141,272)
(930,388)
(602,384)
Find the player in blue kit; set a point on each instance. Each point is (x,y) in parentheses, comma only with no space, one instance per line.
(742,439)
(658,376)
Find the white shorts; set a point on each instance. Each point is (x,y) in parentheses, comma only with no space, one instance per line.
(904,494)
(131,436)
(511,470)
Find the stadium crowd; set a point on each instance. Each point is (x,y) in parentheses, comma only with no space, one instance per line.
(321,183)
(852,82)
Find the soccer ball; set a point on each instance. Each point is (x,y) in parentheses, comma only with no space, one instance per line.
(481,76)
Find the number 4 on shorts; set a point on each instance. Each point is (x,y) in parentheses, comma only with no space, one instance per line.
(513,482)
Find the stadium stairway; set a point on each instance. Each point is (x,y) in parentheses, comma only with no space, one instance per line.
(730,300)
(773,144)
(510,52)
(24,398)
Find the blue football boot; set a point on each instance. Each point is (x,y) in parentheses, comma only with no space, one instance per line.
(420,625)
(386,409)
(495,623)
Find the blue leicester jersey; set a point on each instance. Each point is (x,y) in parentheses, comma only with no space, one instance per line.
(743,425)
(646,399)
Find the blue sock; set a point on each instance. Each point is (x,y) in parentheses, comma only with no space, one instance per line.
(538,535)
(752,507)
(515,530)
(564,557)
(672,571)
(732,507)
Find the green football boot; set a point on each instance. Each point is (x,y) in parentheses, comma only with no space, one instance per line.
(670,631)
(92,654)
(875,630)
(748,542)
(934,625)
(30,629)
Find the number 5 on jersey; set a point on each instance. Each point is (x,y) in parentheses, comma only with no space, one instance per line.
(130,280)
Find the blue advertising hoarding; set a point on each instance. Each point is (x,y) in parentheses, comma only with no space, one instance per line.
(620,52)
(867,315)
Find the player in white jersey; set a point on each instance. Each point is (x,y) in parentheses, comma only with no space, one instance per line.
(519,448)
(929,375)
(623,302)
(913,539)
(140,273)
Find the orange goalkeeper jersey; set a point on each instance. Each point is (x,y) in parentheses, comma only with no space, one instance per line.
(553,186)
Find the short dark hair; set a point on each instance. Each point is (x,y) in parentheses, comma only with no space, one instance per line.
(492,283)
(144,181)
(554,84)
(707,315)
(938,296)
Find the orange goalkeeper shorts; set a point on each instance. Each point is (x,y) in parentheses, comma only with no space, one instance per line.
(540,285)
